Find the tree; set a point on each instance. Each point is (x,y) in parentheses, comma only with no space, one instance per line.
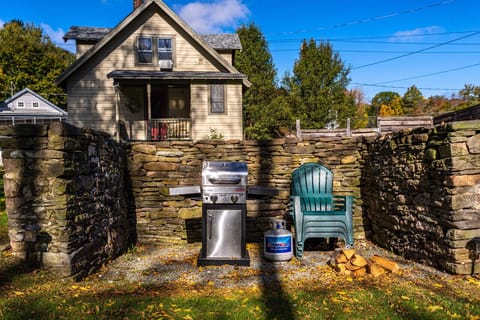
(256,62)
(319,86)
(28,58)
(412,100)
(384,98)
(470,94)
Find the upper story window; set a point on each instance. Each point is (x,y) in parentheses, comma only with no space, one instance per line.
(217,98)
(35,104)
(165,50)
(20,104)
(155,50)
(144,50)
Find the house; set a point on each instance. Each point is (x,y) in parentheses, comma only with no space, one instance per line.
(27,106)
(153,78)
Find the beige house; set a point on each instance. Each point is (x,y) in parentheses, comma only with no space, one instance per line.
(153,78)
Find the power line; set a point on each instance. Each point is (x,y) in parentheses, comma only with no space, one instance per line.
(415,52)
(401,87)
(377,18)
(431,74)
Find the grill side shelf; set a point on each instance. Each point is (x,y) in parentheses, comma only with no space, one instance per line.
(181,191)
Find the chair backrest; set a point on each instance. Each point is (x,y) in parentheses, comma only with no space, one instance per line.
(314,183)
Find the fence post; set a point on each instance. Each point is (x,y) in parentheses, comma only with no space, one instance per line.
(349,130)
(298,129)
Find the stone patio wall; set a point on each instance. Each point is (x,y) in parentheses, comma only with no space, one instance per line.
(156,166)
(68,184)
(422,194)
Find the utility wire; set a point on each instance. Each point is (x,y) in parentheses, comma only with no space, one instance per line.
(415,52)
(401,87)
(431,74)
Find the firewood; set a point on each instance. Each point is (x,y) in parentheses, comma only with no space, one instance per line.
(358,261)
(375,270)
(341,258)
(348,253)
(387,264)
(340,267)
(360,272)
(351,267)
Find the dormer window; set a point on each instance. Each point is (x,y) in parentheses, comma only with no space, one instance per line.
(144,49)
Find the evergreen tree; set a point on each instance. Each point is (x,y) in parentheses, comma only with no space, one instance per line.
(319,87)
(412,100)
(28,58)
(256,62)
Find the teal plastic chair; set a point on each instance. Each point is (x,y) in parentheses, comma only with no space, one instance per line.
(315,211)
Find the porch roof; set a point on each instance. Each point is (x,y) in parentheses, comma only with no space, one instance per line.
(177,75)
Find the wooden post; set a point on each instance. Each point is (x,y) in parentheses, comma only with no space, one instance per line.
(298,129)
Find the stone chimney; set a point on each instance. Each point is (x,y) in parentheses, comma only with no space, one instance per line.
(137,3)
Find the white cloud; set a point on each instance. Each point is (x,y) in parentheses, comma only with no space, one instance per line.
(214,17)
(57,37)
(418,33)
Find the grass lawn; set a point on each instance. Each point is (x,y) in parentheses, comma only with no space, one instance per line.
(40,295)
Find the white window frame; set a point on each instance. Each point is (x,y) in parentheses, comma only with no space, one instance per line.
(35,104)
(139,51)
(165,50)
(20,104)
(214,100)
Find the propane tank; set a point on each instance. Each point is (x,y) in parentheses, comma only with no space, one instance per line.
(278,242)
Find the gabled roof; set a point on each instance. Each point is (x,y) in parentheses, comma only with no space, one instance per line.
(127,21)
(5,110)
(95,34)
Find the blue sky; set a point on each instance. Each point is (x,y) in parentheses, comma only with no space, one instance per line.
(389,45)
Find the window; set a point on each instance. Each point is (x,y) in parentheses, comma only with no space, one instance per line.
(20,104)
(35,104)
(217,98)
(165,51)
(144,50)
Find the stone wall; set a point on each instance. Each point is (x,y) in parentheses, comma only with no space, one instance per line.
(417,191)
(68,183)
(154,167)
(423,194)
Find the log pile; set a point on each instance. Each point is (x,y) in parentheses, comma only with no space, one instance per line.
(347,262)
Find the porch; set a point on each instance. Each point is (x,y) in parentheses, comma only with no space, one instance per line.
(156,129)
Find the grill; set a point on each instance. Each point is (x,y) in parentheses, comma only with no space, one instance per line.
(224,197)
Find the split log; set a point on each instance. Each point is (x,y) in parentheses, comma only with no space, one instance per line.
(358,261)
(385,263)
(360,272)
(348,253)
(375,270)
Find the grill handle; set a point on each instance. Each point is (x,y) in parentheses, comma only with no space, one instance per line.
(235,180)
(209,228)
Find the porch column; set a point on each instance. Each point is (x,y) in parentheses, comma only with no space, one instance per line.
(149,108)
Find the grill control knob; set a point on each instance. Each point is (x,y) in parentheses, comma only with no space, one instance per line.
(214,198)
(234,199)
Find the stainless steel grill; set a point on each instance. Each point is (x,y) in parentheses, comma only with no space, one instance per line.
(224,182)
(224,196)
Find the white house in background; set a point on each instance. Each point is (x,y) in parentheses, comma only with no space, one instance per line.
(27,106)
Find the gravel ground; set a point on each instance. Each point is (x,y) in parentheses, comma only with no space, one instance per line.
(176,265)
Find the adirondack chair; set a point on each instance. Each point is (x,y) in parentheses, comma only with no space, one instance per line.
(316,212)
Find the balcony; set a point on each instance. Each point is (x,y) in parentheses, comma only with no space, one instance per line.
(157,129)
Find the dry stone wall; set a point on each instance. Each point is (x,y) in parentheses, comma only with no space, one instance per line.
(422,191)
(68,184)
(417,191)
(154,167)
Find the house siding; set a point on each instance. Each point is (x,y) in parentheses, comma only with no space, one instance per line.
(92,97)
(228,124)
